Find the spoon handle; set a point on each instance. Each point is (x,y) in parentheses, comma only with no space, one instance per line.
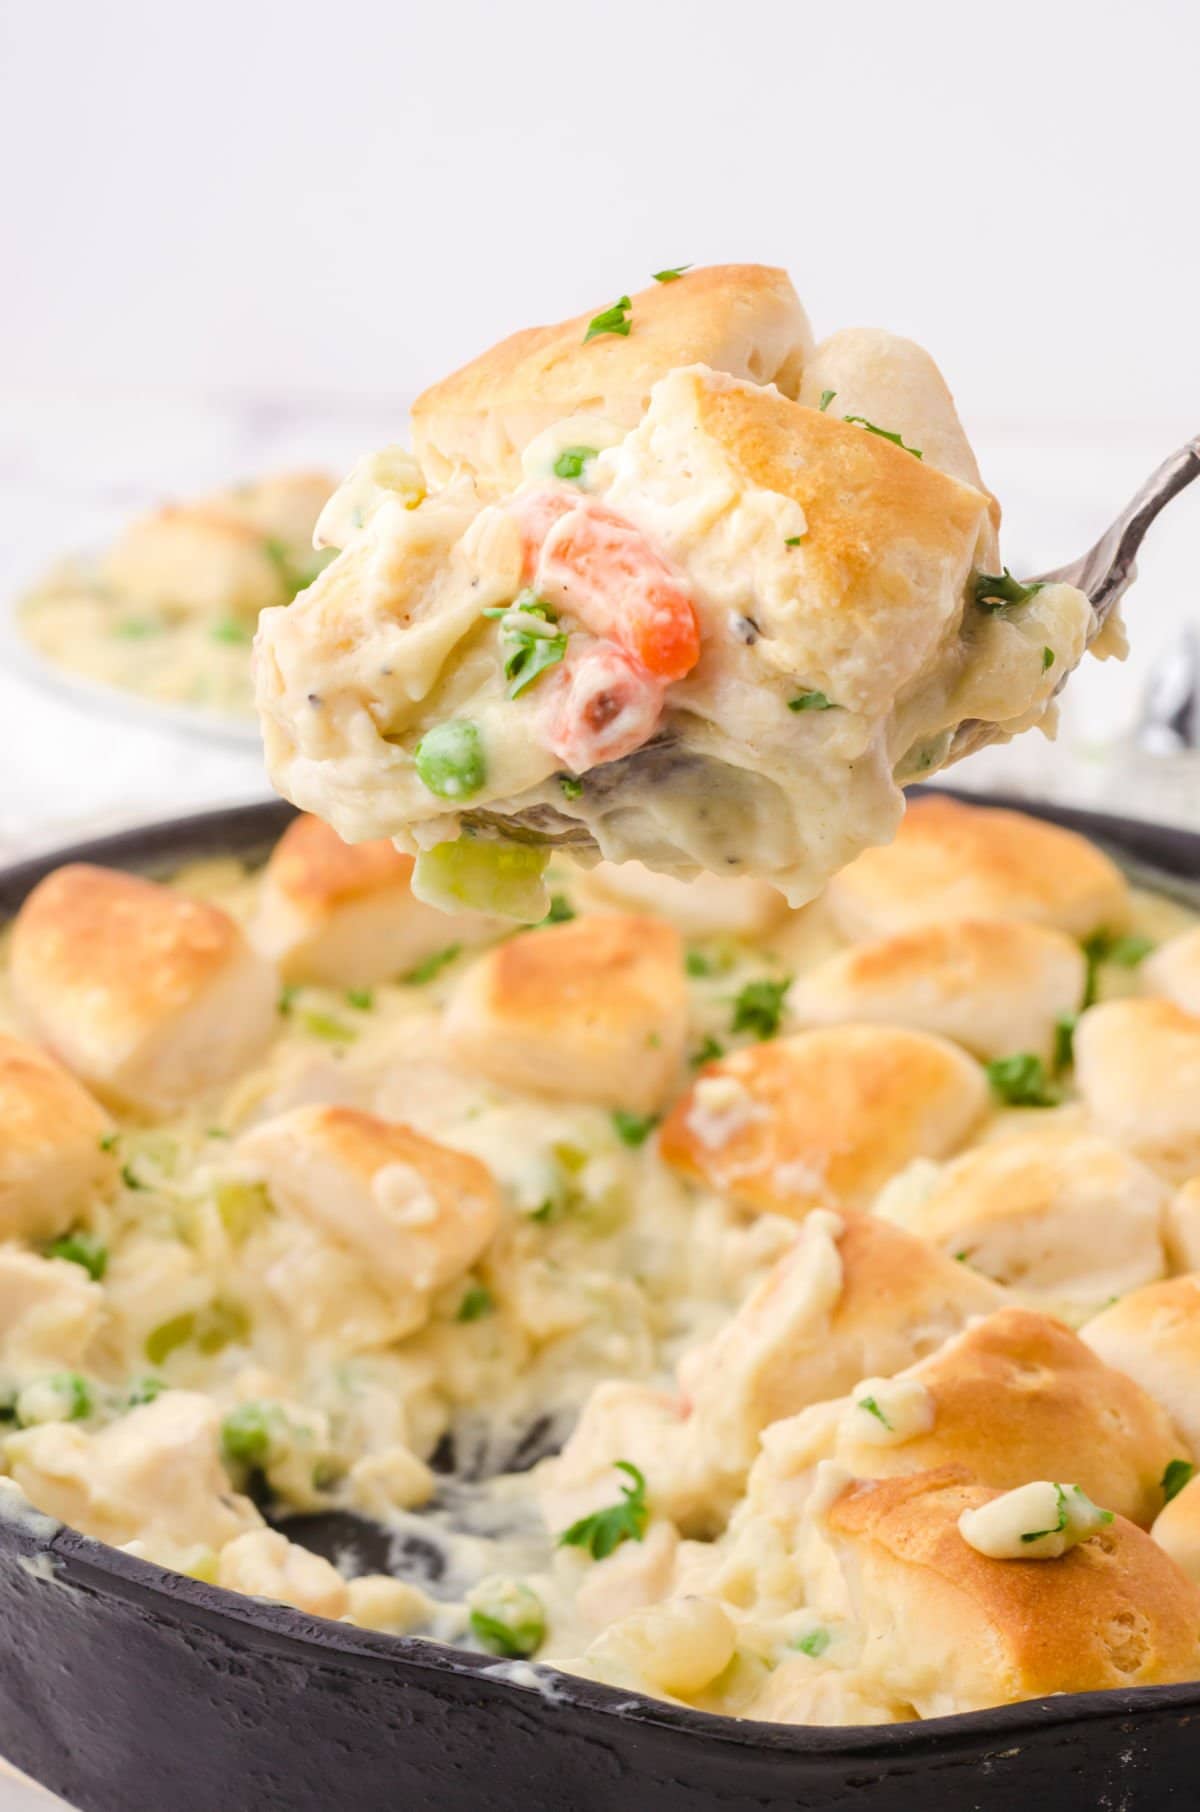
(1106,571)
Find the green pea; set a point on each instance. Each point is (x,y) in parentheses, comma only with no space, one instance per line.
(248,1434)
(450,759)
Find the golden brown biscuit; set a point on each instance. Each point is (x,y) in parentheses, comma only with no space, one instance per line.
(995,986)
(1153,1335)
(55,1156)
(344,913)
(1137,1067)
(1173,970)
(949,1630)
(416,1213)
(150,998)
(824,1118)
(1177,1529)
(1014,1397)
(951,860)
(1064,1217)
(894,383)
(745,319)
(593,1010)
(195,560)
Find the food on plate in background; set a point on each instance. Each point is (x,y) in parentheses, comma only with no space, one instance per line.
(827,1307)
(169,611)
(669,584)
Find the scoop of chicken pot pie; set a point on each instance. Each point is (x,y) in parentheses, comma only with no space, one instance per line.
(712,640)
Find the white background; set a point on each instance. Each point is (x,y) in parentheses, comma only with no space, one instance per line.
(238,231)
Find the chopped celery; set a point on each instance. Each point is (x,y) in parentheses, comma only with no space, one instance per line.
(505,879)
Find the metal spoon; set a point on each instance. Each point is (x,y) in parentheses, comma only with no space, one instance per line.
(1105,572)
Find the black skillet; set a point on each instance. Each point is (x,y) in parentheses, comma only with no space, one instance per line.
(129,1689)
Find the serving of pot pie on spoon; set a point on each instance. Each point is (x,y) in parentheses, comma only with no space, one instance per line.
(670,584)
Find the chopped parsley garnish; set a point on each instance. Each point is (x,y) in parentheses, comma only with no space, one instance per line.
(571,788)
(572,460)
(477,1302)
(673,275)
(1047,659)
(1105,947)
(827,397)
(431,966)
(324,1025)
(611,320)
(1064,1040)
(1021,1081)
(633,1129)
(1060,1525)
(287,998)
(697,963)
(792,540)
(995,591)
(108,1141)
(707,1051)
(529,639)
(814,1643)
(81,1248)
(884,434)
(561,910)
(362,999)
(145,1390)
(759,1006)
(811,701)
(1178,1474)
(603,1532)
(507,1617)
(872,1408)
(131,1179)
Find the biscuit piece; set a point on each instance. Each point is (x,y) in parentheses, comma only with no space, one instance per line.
(1137,1067)
(1177,1530)
(344,913)
(824,1118)
(995,986)
(150,998)
(1173,970)
(1153,1335)
(1016,1396)
(234,552)
(53,1161)
(706,906)
(593,1010)
(1065,1218)
(414,1212)
(894,383)
(1113,1612)
(744,319)
(952,861)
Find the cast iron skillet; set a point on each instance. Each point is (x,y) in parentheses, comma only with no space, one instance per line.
(129,1689)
